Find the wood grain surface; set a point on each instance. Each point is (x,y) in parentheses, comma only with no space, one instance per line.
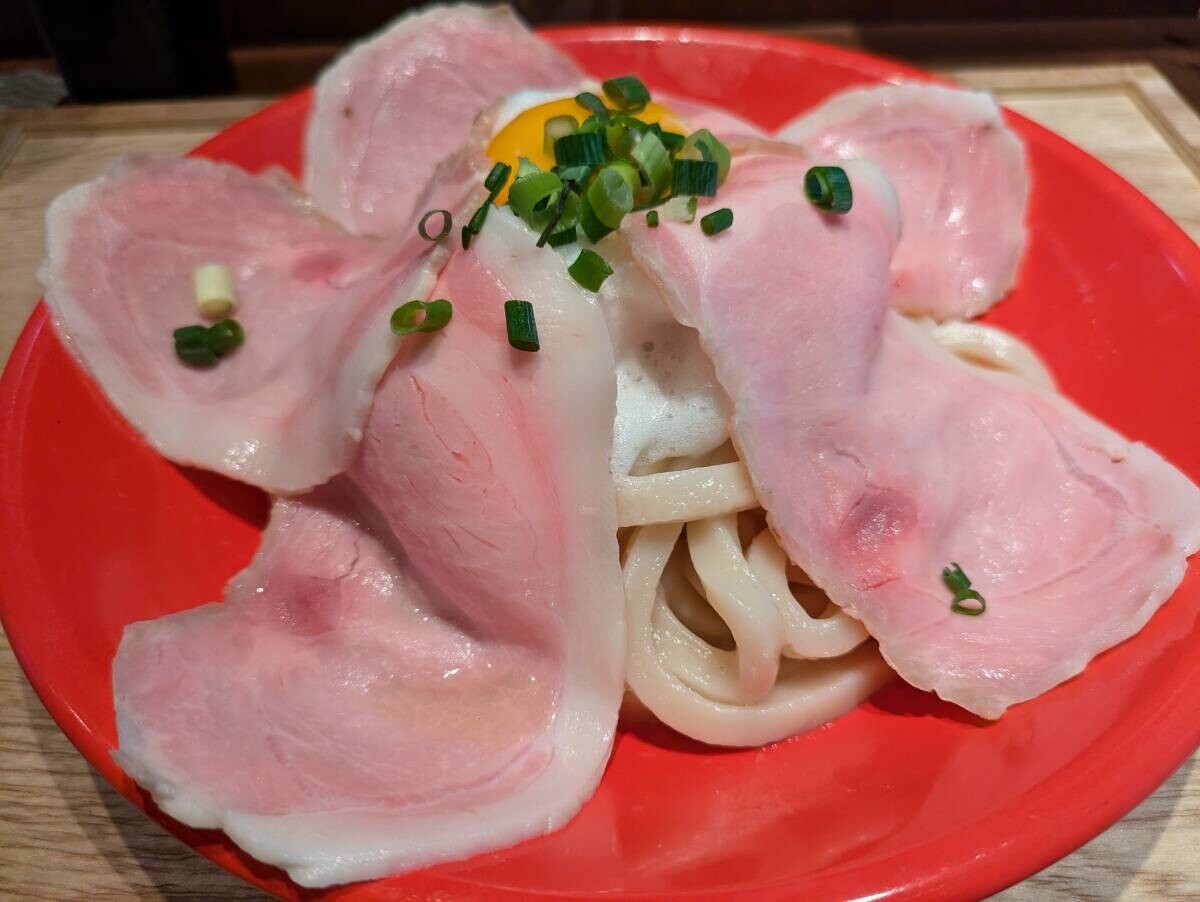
(64,834)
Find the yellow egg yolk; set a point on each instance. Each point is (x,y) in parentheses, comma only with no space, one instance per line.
(525,135)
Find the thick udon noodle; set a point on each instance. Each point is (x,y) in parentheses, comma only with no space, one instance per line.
(729,642)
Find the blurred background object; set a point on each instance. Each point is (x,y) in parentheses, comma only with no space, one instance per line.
(127,49)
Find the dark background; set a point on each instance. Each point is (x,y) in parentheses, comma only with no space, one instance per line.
(130,49)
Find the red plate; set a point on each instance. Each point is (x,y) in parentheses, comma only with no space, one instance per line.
(904,796)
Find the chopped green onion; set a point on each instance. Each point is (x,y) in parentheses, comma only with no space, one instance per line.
(224,336)
(626,92)
(592,227)
(475,225)
(593,105)
(566,213)
(580,149)
(566,236)
(680,209)
(716,221)
(672,141)
(695,177)
(576,174)
(652,219)
(703,145)
(533,196)
(593,125)
(966,600)
(447,225)
(526,167)
(828,188)
(495,184)
(589,270)
(419,316)
(521,325)
(497,177)
(215,294)
(627,172)
(558,127)
(191,346)
(621,135)
(479,217)
(654,162)
(610,195)
(204,345)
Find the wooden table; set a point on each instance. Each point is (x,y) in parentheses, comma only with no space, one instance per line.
(64,834)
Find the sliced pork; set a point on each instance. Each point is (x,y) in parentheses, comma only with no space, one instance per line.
(425,660)
(961,177)
(286,410)
(404,99)
(881,459)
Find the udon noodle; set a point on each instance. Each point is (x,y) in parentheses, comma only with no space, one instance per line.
(728,641)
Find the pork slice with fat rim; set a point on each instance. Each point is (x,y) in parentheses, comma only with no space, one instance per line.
(425,659)
(881,459)
(961,177)
(284,411)
(404,99)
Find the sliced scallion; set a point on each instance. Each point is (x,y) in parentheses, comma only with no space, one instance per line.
(525,167)
(610,195)
(589,270)
(224,336)
(494,182)
(828,188)
(558,127)
(593,125)
(204,345)
(421,316)
(621,135)
(191,346)
(579,149)
(576,174)
(626,92)
(215,294)
(716,221)
(695,177)
(533,196)
(672,141)
(521,325)
(654,162)
(593,105)
(680,209)
(703,145)
(565,214)
(475,225)
(966,600)
(563,237)
(497,177)
(652,219)
(592,227)
(628,172)
(447,225)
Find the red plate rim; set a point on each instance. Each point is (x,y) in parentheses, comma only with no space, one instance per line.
(994,857)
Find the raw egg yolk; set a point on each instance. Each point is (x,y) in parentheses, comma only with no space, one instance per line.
(525,135)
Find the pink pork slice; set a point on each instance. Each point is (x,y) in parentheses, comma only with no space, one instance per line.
(425,659)
(881,459)
(961,177)
(404,99)
(285,411)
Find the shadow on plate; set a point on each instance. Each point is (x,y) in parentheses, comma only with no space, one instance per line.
(903,700)
(249,504)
